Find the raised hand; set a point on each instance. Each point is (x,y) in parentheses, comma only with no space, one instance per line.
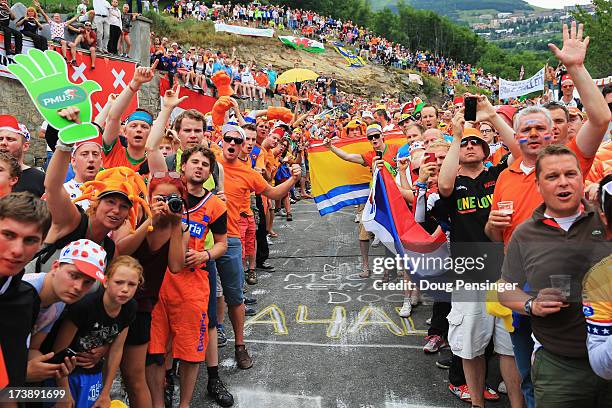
(144,74)
(45,76)
(171,97)
(574,47)
(458,123)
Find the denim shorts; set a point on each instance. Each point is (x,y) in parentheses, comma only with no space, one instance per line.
(231,272)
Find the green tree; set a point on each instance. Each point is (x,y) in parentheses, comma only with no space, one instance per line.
(597,27)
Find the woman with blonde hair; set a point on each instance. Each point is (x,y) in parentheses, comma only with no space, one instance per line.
(30,26)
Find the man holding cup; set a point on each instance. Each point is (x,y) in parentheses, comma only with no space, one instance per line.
(550,253)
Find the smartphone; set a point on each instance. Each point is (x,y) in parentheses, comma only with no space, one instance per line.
(379,154)
(430,157)
(469,114)
(58,358)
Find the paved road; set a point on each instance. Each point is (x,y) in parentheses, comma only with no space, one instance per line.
(325,338)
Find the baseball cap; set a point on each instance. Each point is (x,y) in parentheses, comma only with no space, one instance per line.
(367,114)
(373,129)
(10,123)
(404,117)
(87,256)
(574,111)
(97,141)
(474,134)
(87,23)
(24,131)
(566,78)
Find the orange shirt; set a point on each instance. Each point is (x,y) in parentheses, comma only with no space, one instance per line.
(262,79)
(602,164)
(389,155)
(116,155)
(240,181)
(520,188)
(192,283)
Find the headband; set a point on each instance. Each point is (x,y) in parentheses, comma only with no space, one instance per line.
(140,115)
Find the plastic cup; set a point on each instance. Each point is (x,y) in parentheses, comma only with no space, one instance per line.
(506,207)
(563,283)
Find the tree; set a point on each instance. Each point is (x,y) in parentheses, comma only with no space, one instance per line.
(597,27)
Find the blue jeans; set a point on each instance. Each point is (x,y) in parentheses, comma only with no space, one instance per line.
(231,272)
(522,343)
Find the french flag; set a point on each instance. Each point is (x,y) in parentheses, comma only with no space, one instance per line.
(387,216)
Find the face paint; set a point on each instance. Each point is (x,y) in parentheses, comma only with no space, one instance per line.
(531,122)
(523,140)
(547,136)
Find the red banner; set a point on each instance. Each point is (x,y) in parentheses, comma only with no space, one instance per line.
(195,100)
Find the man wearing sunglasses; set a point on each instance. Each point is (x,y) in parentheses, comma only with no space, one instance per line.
(380,150)
(567,90)
(240,182)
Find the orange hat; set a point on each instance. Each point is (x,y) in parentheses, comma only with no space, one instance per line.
(574,111)
(474,134)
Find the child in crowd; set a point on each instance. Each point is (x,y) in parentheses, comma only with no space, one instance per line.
(99,319)
(125,43)
(10,171)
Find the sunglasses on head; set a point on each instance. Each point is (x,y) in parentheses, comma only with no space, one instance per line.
(229,139)
(470,141)
(162,174)
(374,136)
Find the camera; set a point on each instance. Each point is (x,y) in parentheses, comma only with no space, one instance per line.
(175,202)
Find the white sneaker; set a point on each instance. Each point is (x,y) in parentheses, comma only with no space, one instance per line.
(269,241)
(357,218)
(415,299)
(375,242)
(406,308)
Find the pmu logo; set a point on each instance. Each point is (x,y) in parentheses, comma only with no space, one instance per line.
(61,98)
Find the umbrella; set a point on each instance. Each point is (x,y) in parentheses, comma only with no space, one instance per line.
(296,75)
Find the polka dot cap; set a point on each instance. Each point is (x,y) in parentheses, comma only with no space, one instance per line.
(87,256)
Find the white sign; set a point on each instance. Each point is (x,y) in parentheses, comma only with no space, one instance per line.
(512,89)
(240,30)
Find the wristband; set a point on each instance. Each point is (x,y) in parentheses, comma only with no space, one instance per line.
(421,185)
(208,253)
(132,89)
(63,147)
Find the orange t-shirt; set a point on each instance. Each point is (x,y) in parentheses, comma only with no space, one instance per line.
(262,79)
(192,283)
(602,164)
(116,155)
(520,188)
(389,155)
(240,181)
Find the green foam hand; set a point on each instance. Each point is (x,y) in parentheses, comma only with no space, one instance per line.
(45,76)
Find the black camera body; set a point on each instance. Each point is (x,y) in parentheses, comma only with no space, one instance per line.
(175,203)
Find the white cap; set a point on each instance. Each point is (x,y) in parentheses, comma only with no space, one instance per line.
(87,256)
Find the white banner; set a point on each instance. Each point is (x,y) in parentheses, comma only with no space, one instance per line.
(240,30)
(603,81)
(512,89)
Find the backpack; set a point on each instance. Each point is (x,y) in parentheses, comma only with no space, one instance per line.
(50,252)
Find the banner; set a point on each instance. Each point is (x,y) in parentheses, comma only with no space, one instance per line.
(113,75)
(603,81)
(240,30)
(195,100)
(337,183)
(302,43)
(352,59)
(512,89)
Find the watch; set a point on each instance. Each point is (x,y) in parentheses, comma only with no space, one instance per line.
(528,305)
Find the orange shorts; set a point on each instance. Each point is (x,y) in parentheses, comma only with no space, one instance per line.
(247,235)
(185,324)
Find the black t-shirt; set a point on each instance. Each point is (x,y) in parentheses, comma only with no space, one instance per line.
(28,26)
(470,203)
(32,180)
(95,327)
(219,226)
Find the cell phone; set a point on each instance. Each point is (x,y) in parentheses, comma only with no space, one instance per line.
(379,154)
(469,114)
(430,157)
(58,358)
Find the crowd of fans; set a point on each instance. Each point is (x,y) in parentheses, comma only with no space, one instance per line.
(189,207)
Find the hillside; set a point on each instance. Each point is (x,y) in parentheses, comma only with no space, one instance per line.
(459,10)
(370,81)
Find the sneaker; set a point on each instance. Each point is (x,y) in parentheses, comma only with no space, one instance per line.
(242,358)
(264,266)
(462,392)
(364,274)
(250,301)
(289,217)
(434,344)
(502,388)
(444,363)
(356,218)
(251,277)
(428,321)
(490,394)
(217,391)
(249,311)
(406,308)
(269,240)
(376,243)
(221,337)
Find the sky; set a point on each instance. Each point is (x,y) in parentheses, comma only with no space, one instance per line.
(556,3)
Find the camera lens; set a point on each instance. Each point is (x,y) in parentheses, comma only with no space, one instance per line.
(175,203)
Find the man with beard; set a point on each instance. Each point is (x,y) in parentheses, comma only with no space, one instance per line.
(15,140)
(137,128)
(86,162)
(240,182)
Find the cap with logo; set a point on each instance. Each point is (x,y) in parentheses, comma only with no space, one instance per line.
(374,129)
(87,256)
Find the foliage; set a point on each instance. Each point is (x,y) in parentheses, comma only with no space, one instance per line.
(598,28)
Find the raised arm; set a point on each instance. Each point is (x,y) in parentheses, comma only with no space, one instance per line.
(280,191)
(72,20)
(113,121)
(572,55)
(45,16)
(100,119)
(448,170)
(350,157)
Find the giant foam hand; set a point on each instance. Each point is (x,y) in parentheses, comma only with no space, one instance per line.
(279,113)
(222,82)
(221,106)
(45,76)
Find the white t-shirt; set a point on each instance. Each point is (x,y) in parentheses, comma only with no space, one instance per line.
(73,189)
(565,222)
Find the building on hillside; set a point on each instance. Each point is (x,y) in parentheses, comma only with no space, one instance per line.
(487,17)
(503,15)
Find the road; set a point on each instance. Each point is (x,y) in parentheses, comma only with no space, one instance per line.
(325,338)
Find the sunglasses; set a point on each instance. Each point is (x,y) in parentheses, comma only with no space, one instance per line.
(470,141)
(567,86)
(162,174)
(375,136)
(229,139)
